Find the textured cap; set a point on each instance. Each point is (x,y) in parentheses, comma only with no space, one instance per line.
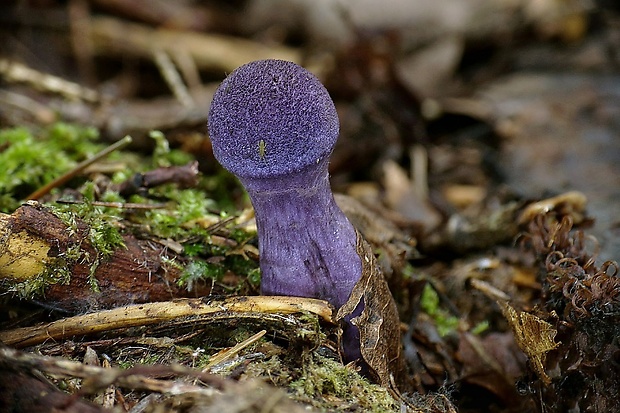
(269,118)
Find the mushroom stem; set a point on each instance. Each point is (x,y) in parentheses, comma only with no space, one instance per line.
(317,256)
(306,243)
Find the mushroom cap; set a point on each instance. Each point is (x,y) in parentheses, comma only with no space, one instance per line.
(271,118)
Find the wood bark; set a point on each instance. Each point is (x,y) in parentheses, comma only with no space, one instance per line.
(34,242)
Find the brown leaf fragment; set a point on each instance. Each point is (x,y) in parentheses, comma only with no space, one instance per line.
(381,233)
(378,324)
(534,336)
(493,362)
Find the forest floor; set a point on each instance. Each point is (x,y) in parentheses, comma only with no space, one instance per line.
(479,156)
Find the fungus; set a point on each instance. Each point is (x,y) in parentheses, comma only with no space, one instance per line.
(273,125)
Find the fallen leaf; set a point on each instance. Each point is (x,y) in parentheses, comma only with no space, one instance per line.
(534,336)
(378,324)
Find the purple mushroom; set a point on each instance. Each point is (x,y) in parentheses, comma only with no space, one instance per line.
(273,125)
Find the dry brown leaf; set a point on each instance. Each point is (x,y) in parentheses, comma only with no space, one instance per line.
(534,336)
(378,324)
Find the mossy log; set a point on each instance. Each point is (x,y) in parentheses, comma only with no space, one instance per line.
(42,257)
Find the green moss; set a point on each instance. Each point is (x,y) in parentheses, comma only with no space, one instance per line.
(330,386)
(57,271)
(74,140)
(181,222)
(200,270)
(175,222)
(149,357)
(164,156)
(194,249)
(409,272)
(200,359)
(225,187)
(444,321)
(103,236)
(103,233)
(253,277)
(481,327)
(244,267)
(31,160)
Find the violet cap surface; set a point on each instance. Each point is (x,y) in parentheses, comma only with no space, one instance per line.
(271,110)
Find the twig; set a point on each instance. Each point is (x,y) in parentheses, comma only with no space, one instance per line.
(18,107)
(225,355)
(79,168)
(188,68)
(99,378)
(184,176)
(172,78)
(79,24)
(152,313)
(119,205)
(209,51)
(18,73)
(419,171)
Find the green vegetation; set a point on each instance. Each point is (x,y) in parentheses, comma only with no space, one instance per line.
(31,159)
(345,388)
(445,322)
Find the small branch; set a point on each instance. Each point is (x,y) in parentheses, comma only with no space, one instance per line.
(209,51)
(119,205)
(185,176)
(15,72)
(152,313)
(79,168)
(231,352)
(99,377)
(172,77)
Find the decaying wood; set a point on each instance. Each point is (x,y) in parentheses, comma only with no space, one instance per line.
(34,242)
(185,176)
(152,313)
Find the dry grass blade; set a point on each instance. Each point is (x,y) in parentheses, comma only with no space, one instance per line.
(227,354)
